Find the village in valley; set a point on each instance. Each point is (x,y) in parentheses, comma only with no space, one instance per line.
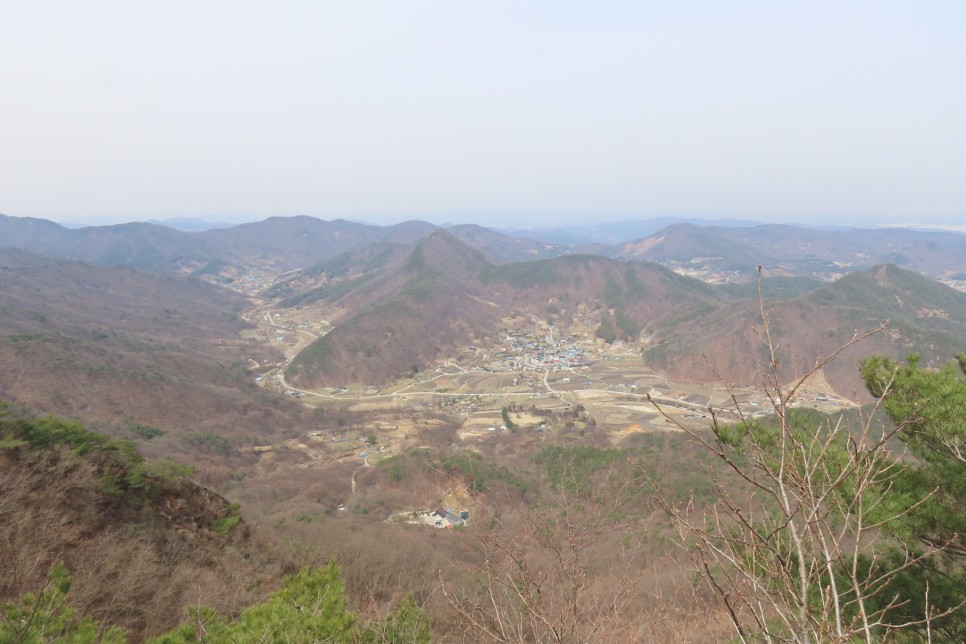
(531,380)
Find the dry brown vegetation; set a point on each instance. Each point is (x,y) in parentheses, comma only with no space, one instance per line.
(516,509)
(137,564)
(562,544)
(405,316)
(401,319)
(121,348)
(723,346)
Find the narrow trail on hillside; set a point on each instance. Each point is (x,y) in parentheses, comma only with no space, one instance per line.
(365,463)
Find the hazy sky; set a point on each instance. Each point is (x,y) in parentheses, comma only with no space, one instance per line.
(486,111)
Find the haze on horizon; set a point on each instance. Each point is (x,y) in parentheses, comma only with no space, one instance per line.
(498,113)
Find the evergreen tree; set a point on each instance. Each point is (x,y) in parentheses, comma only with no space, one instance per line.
(311,607)
(929,408)
(45,616)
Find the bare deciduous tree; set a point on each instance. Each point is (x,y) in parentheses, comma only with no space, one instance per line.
(793,546)
(566,572)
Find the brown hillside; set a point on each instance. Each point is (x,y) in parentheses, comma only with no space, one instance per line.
(399,321)
(117,346)
(925,317)
(444,295)
(644,293)
(140,551)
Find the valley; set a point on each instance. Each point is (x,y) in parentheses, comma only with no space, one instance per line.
(530,371)
(354,400)
(465,322)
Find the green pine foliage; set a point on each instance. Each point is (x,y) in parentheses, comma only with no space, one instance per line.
(311,607)
(45,616)
(606,330)
(481,474)
(929,405)
(505,414)
(122,469)
(409,624)
(576,468)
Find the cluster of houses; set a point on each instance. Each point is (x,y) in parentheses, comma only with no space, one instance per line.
(527,351)
(251,283)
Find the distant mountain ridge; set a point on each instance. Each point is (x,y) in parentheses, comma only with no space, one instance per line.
(190,224)
(140,245)
(277,244)
(613,232)
(716,253)
(790,250)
